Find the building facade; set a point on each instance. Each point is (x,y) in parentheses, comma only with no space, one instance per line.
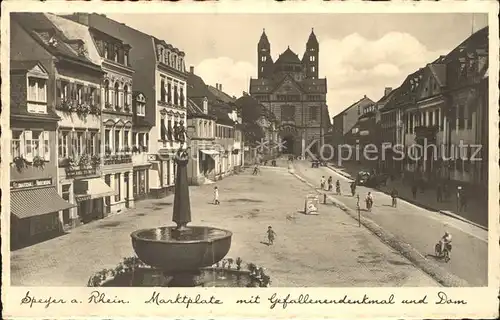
(292,90)
(171,105)
(140,147)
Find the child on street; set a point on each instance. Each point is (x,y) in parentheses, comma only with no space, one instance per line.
(270,235)
(216,196)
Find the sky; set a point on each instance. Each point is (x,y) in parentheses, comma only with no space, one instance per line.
(359,54)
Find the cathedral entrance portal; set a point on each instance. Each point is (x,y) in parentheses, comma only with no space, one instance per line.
(288,144)
(290,140)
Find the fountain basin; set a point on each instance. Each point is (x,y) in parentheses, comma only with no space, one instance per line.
(184,251)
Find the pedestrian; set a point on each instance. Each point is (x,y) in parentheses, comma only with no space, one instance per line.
(463,202)
(337,185)
(394,196)
(270,235)
(255,170)
(369,201)
(216,196)
(322,183)
(330,183)
(439,193)
(414,190)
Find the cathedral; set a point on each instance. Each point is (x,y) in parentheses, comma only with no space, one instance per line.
(291,89)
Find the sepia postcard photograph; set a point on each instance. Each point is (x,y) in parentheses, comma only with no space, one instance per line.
(251,159)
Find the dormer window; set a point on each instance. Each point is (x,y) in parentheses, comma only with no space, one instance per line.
(37,90)
(205,105)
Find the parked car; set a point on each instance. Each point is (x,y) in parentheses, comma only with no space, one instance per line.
(362,178)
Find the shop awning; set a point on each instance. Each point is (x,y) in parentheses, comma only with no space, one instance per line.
(36,202)
(95,188)
(210,152)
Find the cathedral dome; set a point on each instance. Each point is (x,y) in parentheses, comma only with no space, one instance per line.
(288,57)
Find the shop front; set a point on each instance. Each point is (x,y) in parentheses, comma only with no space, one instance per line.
(90,195)
(208,162)
(162,174)
(141,182)
(35,207)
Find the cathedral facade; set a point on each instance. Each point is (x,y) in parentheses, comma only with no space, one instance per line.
(291,89)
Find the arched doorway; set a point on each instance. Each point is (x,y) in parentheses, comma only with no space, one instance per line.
(287,144)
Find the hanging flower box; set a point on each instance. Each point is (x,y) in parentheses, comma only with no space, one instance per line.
(20,163)
(38,162)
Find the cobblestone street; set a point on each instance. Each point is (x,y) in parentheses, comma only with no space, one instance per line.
(325,250)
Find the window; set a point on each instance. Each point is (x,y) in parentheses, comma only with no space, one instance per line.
(141,140)
(107,140)
(169,92)
(91,143)
(63,139)
(125,139)
(125,59)
(312,58)
(117,95)
(313,69)
(117,140)
(313,115)
(176,95)
(141,109)
(106,93)
(79,143)
(117,187)
(106,50)
(146,146)
(162,90)
(182,96)
(125,96)
(79,93)
(470,112)
(461,116)
(37,90)
(16,144)
(116,54)
(30,144)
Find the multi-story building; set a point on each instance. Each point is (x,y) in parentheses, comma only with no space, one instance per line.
(220,131)
(344,121)
(140,142)
(260,130)
(78,104)
(116,117)
(142,56)
(292,90)
(54,118)
(171,105)
(201,133)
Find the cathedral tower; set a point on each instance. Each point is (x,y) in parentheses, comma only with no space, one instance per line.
(311,57)
(264,56)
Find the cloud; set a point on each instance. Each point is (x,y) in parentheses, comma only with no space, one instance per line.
(233,75)
(354,66)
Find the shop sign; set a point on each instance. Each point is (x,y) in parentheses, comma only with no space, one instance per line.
(31,183)
(151,157)
(82,197)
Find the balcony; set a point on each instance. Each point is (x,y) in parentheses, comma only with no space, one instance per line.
(117,159)
(83,166)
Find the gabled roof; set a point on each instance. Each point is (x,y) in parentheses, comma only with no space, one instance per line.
(25,65)
(439,73)
(197,88)
(43,31)
(288,56)
(76,31)
(221,95)
(364,99)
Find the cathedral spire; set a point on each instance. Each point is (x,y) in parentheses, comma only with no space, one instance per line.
(312,39)
(263,38)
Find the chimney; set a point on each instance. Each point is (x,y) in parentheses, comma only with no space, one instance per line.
(220,86)
(365,96)
(387,91)
(191,69)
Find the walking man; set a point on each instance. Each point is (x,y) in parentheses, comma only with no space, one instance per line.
(322,182)
(394,196)
(270,235)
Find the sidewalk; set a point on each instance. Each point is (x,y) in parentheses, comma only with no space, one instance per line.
(476,213)
(325,250)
